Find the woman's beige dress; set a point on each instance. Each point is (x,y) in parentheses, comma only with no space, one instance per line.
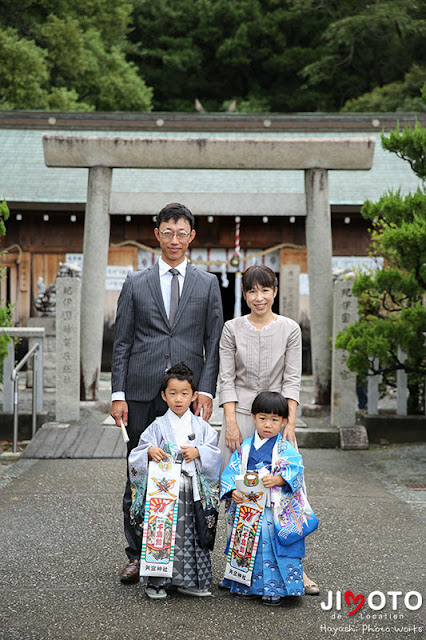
(254,360)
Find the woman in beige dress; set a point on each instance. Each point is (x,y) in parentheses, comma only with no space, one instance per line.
(261,351)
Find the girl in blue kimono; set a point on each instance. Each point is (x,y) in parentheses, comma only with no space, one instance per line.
(287,517)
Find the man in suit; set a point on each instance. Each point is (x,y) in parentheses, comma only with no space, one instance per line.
(169,313)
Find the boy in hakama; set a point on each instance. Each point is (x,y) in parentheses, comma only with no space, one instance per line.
(179,434)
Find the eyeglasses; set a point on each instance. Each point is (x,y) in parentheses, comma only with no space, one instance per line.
(168,235)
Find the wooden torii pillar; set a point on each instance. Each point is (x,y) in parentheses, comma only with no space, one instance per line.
(315,156)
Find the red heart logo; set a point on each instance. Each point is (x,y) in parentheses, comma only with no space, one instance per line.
(351,599)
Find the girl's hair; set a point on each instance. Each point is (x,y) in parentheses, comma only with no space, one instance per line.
(179,372)
(260,275)
(270,402)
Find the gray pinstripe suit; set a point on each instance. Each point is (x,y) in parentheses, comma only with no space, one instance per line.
(144,339)
(144,343)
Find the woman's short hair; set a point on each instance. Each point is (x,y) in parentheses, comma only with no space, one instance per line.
(259,275)
(270,402)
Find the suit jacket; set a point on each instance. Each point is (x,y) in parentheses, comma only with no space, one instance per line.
(144,340)
(255,361)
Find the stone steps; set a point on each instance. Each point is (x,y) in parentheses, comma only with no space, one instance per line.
(62,440)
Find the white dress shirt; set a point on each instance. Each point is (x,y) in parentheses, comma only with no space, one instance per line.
(166,280)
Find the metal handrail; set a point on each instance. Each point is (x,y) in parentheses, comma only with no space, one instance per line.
(15,379)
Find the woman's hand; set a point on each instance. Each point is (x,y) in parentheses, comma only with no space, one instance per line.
(237,497)
(189,453)
(289,432)
(233,438)
(273,481)
(156,454)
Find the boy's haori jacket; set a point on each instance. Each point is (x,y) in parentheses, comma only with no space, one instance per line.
(292,513)
(206,468)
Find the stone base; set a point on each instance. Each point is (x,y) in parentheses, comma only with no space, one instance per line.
(393,429)
(353,437)
(315,410)
(327,438)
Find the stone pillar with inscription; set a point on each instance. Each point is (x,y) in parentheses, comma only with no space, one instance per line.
(289,291)
(68,291)
(343,381)
(319,247)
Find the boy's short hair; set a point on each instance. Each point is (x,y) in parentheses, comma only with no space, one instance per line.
(270,402)
(180,372)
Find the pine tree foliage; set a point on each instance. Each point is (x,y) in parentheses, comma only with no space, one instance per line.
(392,311)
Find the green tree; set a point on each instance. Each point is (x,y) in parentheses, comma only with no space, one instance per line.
(68,55)
(5,309)
(396,96)
(216,50)
(270,55)
(365,44)
(23,72)
(391,300)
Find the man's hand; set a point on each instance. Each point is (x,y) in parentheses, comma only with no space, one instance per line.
(233,437)
(190,453)
(119,410)
(156,454)
(205,404)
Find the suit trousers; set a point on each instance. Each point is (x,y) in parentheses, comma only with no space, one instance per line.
(141,415)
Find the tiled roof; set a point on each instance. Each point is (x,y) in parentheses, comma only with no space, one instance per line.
(25,178)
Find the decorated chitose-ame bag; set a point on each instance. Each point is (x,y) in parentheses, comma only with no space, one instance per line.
(246,528)
(160,518)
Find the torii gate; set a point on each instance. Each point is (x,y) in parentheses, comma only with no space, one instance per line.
(316,156)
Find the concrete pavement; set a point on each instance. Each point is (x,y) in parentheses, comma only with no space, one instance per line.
(62,549)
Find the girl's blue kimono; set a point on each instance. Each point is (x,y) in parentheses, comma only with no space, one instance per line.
(278,569)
